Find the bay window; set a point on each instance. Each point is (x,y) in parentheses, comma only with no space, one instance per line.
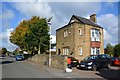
(95,35)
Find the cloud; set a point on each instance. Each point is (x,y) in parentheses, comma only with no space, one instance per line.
(7,16)
(60,0)
(63,11)
(4,40)
(79,8)
(110,24)
(107,37)
(33,8)
(60,11)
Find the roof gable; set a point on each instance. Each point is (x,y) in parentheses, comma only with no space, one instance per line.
(82,21)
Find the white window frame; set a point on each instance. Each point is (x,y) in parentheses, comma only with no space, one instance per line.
(65,51)
(95,35)
(80,32)
(65,33)
(80,51)
(94,51)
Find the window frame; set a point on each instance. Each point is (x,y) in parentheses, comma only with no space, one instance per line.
(80,51)
(95,34)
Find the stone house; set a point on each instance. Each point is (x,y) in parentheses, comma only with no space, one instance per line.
(80,37)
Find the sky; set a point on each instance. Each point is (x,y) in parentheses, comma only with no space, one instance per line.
(12,13)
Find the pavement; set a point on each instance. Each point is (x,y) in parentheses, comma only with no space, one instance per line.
(54,71)
(112,73)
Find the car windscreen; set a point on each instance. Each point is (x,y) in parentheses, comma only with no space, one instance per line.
(90,58)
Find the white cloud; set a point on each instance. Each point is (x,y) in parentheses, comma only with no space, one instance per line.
(7,15)
(60,0)
(4,40)
(63,12)
(107,36)
(110,24)
(33,8)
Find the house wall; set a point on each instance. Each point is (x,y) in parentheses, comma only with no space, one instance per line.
(79,40)
(62,41)
(84,41)
(76,41)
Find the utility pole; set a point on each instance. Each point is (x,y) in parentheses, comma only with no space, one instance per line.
(50,61)
(49,23)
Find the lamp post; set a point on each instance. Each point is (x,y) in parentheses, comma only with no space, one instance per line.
(50,45)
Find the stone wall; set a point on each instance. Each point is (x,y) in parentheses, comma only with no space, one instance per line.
(57,61)
(41,59)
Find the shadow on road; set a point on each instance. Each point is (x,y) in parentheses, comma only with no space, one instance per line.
(6,62)
(109,74)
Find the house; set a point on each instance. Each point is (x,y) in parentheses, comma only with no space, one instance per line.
(80,37)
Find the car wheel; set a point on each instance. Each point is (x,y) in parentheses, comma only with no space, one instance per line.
(94,68)
(108,66)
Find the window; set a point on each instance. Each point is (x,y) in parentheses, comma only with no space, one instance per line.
(80,51)
(80,32)
(95,35)
(92,51)
(65,33)
(65,51)
(95,51)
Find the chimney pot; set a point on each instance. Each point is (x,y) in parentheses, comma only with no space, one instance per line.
(93,18)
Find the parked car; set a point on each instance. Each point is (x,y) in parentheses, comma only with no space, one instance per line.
(74,62)
(115,61)
(19,57)
(11,55)
(95,62)
(3,55)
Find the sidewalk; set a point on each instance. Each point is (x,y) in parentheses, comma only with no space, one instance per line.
(54,71)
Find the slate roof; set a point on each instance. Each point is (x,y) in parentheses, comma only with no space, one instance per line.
(84,21)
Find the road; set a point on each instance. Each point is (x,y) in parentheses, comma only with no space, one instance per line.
(19,69)
(26,69)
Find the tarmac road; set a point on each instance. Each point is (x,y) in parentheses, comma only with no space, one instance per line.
(28,69)
(24,69)
(19,69)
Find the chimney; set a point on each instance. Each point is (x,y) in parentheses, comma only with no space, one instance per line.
(93,18)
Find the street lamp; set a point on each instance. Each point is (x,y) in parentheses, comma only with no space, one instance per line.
(50,45)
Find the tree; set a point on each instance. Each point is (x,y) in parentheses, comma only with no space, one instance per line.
(3,51)
(32,35)
(117,50)
(109,49)
(18,34)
